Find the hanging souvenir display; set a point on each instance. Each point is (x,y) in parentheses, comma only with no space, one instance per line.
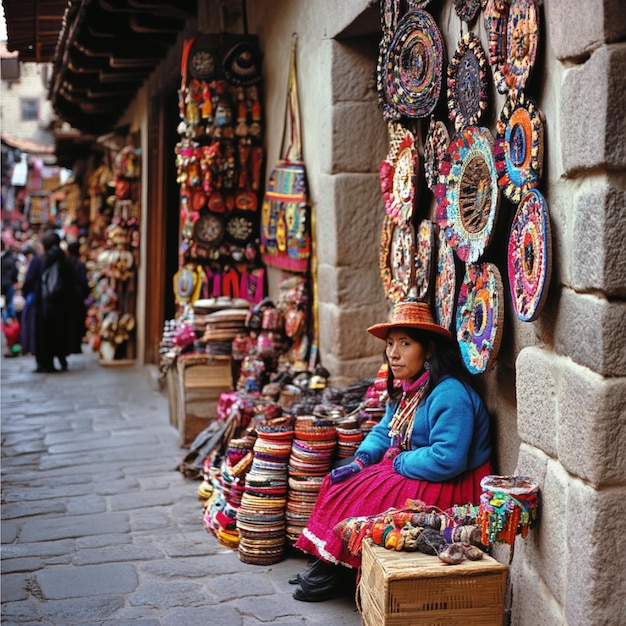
(445,282)
(513,27)
(286,214)
(467,9)
(529,258)
(398,175)
(435,147)
(467,193)
(424,238)
(508,507)
(518,147)
(413,67)
(219,158)
(479,316)
(467,82)
(396,258)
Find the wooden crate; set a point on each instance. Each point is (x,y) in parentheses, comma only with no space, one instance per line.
(201,381)
(414,589)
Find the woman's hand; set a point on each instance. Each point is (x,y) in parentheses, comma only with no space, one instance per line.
(339,474)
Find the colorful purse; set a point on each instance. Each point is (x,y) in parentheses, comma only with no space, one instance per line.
(286,214)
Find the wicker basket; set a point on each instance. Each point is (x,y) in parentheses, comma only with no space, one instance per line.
(414,589)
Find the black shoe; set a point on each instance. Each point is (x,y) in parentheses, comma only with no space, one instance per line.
(63,362)
(322,581)
(45,370)
(295,580)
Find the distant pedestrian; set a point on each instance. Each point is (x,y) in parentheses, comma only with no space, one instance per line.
(81,292)
(10,271)
(47,327)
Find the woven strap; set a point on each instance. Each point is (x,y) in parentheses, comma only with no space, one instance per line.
(293,152)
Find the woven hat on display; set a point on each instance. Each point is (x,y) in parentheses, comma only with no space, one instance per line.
(409,314)
(479,316)
(513,27)
(529,258)
(467,82)
(467,194)
(518,147)
(414,65)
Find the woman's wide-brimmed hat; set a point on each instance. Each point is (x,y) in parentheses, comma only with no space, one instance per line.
(410,315)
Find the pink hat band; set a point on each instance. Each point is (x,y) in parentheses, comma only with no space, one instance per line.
(410,315)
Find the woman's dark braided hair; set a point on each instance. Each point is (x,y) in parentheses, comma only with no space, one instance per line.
(445,360)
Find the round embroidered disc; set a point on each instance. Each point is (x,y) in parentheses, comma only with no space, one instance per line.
(467,82)
(398,175)
(479,316)
(389,112)
(467,193)
(529,258)
(518,147)
(397,251)
(513,27)
(423,258)
(445,282)
(435,147)
(414,65)
(467,9)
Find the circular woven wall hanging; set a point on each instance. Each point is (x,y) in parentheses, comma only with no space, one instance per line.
(435,147)
(513,27)
(445,282)
(467,82)
(414,65)
(467,9)
(467,193)
(389,112)
(518,147)
(529,258)
(423,258)
(479,316)
(398,175)
(397,252)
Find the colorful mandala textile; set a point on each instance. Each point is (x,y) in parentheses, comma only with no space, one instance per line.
(423,258)
(513,27)
(518,147)
(467,193)
(467,82)
(467,9)
(397,252)
(398,175)
(445,282)
(529,258)
(435,147)
(479,316)
(414,65)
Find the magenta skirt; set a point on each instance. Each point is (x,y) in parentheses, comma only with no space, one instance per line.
(371,492)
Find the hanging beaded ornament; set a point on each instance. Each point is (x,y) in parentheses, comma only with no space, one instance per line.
(398,175)
(508,507)
(513,27)
(397,250)
(518,147)
(423,258)
(467,82)
(479,316)
(467,193)
(529,258)
(414,65)
(435,147)
(467,9)
(445,282)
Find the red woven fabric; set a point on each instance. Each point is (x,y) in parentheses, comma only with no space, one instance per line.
(371,492)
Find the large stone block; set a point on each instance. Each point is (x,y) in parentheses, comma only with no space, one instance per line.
(353,70)
(592,123)
(598,261)
(592,332)
(349,286)
(537,391)
(596,549)
(349,215)
(592,412)
(577,27)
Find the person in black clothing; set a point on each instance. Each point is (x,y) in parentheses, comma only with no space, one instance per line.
(51,323)
(81,291)
(9,278)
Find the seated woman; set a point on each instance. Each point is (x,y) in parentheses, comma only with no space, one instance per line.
(433,444)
